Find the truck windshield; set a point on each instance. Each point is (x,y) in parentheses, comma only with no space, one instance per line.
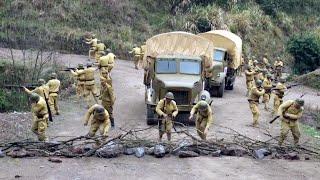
(218,55)
(189,67)
(166,66)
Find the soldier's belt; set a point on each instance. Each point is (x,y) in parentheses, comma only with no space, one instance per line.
(89,80)
(41,116)
(250,100)
(53,92)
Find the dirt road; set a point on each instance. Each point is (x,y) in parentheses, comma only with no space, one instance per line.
(230,111)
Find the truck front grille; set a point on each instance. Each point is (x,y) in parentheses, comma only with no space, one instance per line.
(181,97)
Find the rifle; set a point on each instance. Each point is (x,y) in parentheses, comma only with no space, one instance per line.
(275,118)
(288,87)
(29,86)
(68,69)
(48,107)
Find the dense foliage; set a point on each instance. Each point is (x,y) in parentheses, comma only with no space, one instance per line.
(305,49)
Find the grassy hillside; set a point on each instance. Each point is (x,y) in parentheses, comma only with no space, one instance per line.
(264,25)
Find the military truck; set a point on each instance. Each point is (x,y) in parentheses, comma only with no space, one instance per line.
(177,62)
(227,58)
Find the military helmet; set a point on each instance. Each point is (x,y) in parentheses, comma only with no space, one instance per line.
(34,97)
(278,58)
(169,95)
(99,110)
(269,75)
(258,83)
(299,102)
(108,50)
(203,105)
(53,75)
(41,81)
(80,66)
(282,80)
(255,62)
(265,54)
(89,64)
(135,45)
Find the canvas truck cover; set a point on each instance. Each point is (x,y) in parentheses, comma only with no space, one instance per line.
(227,40)
(179,43)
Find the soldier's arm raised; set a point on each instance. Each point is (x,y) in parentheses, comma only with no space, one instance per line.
(27,90)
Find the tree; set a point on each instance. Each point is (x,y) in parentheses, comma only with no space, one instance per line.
(305,49)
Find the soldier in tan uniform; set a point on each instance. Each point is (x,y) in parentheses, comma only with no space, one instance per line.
(40,116)
(290,112)
(249,72)
(278,66)
(54,87)
(99,51)
(42,90)
(167,111)
(254,96)
(92,41)
(90,86)
(80,80)
(267,85)
(278,93)
(204,118)
(106,64)
(99,119)
(137,55)
(107,97)
(265,60)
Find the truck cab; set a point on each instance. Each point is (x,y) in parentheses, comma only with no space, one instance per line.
(180,75)
(175,62)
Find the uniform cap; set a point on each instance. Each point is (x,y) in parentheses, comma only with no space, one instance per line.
(259,83)
(80,66)
(41,81)
(99,110)
(300,102)
(53,75)
(203,105)
(34,97)
(169,95)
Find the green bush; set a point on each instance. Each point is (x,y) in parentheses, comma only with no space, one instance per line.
(305,49)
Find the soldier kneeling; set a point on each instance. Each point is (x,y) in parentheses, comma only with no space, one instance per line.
(99,120)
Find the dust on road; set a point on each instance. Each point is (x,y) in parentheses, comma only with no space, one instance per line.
(231,111)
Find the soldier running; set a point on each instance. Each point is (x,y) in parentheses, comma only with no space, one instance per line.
(290,112)
(137,55)
(167,111)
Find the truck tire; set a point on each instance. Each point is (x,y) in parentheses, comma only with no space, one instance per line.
(151,116)
(220,90)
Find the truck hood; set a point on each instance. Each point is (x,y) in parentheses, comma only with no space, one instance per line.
(178,80)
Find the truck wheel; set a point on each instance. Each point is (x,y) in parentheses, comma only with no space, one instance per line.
(151,116)
(221,90)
